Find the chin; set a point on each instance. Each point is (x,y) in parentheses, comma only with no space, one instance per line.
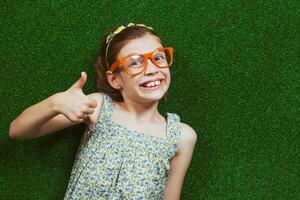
(152,94)
(151,97)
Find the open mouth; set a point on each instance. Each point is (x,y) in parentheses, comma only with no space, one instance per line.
(151,84)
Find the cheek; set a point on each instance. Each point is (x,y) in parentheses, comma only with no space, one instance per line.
(126,80)
(167,74)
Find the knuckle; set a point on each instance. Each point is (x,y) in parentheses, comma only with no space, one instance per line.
(94,104)
(92,110)
(91,103)
(79,116)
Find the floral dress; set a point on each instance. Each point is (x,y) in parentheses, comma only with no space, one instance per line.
(116,163)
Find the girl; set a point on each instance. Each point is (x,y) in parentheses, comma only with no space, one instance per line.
(129,150)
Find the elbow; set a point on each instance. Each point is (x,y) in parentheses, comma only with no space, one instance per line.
(12,134)
(16,132)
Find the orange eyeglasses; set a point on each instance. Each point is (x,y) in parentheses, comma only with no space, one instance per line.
(135,63)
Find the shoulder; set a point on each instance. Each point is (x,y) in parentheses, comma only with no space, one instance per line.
(188,134)
(188,137)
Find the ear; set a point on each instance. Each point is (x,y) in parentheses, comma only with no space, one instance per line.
(114,80)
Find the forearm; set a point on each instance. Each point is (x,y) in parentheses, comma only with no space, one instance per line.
(28,123)
(172,192)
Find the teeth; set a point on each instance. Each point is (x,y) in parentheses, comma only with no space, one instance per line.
(153,83)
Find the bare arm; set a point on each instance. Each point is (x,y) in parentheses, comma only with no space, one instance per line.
(180,163)
(58,111)
(28,123)
(43,118)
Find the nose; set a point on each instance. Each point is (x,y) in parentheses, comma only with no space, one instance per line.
(151,68)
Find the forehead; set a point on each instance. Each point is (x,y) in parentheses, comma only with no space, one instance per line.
(145,44)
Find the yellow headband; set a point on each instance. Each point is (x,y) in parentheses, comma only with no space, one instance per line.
(121,28)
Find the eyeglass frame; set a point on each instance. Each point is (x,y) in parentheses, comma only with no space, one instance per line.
(120,62)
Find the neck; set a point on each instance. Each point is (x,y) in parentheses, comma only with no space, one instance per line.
(140,111)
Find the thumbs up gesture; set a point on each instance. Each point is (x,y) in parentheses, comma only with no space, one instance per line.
(74,104)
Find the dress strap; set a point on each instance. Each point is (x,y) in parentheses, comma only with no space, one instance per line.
(174,134)
(106,109)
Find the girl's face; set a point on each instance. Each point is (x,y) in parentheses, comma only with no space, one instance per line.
(149,85)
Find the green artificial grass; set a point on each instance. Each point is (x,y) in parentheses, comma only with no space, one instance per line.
(234,80)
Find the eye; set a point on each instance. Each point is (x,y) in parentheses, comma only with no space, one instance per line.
(134,62)
(160,57)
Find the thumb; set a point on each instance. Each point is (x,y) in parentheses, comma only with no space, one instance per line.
(81,81)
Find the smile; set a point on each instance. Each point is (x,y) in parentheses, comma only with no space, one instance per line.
(152,85)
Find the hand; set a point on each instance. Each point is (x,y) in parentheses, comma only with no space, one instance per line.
(74,104)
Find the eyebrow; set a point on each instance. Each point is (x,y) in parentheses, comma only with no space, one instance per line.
(134,53)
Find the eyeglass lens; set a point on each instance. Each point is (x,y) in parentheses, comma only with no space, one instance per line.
(135,63)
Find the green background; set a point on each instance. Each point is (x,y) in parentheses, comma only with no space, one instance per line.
(234,80)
